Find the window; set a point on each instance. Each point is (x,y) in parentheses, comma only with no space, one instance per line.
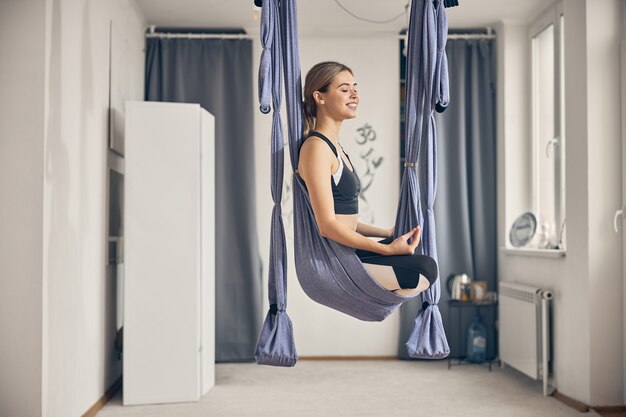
(548,139)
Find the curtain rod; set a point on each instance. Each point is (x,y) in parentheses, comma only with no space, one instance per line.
(464,36)
(489,35)
(470,36)
(446,3)
(198,35)
(245,36)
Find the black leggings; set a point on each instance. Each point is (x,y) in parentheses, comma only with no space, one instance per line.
(407,268)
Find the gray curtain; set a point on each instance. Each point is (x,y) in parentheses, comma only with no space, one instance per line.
(465,205)
(217,73)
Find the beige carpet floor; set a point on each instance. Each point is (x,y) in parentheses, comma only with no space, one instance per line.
(391,388)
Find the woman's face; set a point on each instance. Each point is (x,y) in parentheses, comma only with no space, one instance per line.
(341,100)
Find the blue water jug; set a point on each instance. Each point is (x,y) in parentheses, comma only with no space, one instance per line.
(476,341)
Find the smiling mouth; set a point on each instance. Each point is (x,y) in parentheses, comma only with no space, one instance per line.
(353,106)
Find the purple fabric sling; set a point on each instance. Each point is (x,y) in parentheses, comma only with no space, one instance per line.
(331,273)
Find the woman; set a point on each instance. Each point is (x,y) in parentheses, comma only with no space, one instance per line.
(330,97)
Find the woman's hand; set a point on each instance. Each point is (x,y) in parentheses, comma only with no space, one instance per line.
(390,232)
(401,245)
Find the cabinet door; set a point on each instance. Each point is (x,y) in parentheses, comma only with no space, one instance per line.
(162,253)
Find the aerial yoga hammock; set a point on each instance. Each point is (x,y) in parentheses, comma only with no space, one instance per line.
(329,272)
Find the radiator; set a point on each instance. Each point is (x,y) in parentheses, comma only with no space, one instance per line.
(524,329)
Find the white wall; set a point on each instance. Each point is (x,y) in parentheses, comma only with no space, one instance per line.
(513,52)
(55,358)
(604,32)
(81,364)
(55,300)
(587,282)
(319,330)
(22,43)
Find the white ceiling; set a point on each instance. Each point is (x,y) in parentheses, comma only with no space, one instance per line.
(326,17)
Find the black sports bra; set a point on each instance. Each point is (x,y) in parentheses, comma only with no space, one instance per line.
(345,184)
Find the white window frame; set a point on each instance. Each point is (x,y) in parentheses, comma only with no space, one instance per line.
(552,16)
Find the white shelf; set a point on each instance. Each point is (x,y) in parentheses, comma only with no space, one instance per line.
(543,253)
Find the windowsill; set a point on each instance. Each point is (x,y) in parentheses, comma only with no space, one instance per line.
(544,253)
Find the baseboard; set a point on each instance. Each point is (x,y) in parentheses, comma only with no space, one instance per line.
(582,407)
(93,410)
(347,358)
(610,409)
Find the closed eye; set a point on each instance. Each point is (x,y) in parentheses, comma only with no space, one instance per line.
(344,85)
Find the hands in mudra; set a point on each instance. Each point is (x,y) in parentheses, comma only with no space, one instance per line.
(401,245)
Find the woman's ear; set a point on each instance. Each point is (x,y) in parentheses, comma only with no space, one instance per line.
(317,96)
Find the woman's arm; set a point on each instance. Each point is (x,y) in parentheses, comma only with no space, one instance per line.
(373,231)
(315,167)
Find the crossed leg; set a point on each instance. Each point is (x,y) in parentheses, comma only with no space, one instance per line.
(403,274)
(386,277)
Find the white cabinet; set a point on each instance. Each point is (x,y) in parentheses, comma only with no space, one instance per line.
(169,253)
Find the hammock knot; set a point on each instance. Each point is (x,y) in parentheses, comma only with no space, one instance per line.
(451,3)
(274,309)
